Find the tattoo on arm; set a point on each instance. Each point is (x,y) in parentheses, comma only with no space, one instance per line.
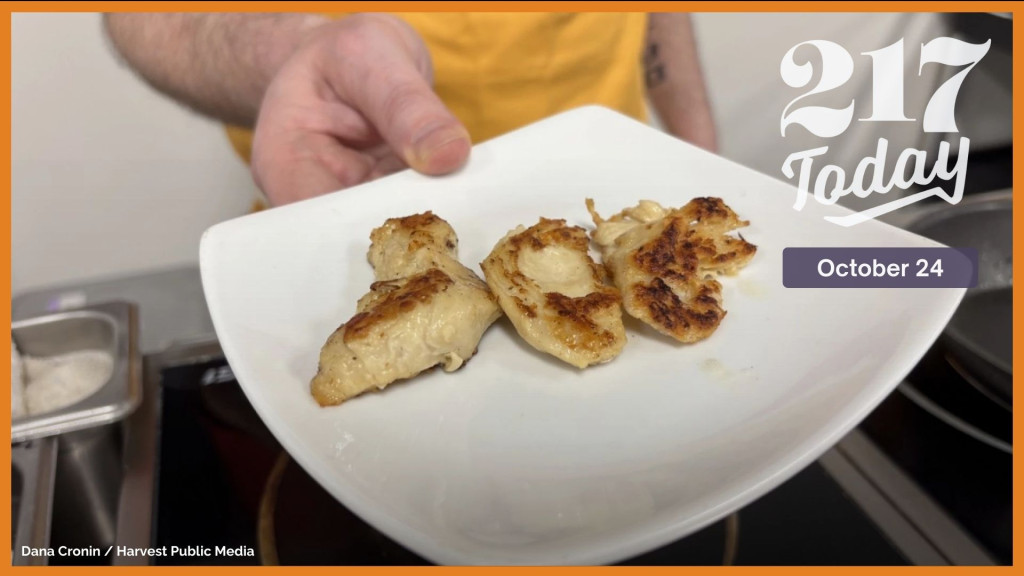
(654,69)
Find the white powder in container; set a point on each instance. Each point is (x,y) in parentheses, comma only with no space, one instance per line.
(56,382)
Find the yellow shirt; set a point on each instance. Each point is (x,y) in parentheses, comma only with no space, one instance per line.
(497,72)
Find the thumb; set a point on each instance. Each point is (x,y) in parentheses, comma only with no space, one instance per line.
(393,94)
(417,125)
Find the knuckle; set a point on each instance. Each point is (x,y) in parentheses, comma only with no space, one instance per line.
(356,34)
(351,43)
(404,100)
(401,97)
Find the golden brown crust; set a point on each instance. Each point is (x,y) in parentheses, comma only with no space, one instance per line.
(574,319)
(698,317)
(419,227)
(426,309)
(399,298)
(664,261)
(403,247)
(581,327)
(550,232)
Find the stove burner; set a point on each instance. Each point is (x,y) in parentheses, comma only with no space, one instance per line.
(955,442)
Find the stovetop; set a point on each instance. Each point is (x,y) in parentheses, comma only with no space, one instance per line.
(224,481)
(955,442)
(905,487)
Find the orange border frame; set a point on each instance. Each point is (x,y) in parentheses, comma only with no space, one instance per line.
(529,6)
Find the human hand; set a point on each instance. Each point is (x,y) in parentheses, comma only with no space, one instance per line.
(353,103)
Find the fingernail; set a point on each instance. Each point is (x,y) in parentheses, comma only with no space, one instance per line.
(440,150)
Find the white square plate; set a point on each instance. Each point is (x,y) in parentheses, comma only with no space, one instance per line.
(518,458)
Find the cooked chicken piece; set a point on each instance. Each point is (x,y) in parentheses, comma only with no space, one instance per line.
(406,246)
(554,293)
(664,262)
(426,309)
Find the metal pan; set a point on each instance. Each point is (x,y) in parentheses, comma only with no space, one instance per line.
(110,327)
(978,339)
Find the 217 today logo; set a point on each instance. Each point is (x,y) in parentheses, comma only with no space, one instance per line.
(831,182)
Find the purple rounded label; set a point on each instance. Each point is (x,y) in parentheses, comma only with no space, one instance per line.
(879,267)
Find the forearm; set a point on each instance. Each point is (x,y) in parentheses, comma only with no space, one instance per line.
(218,64)
(675,83)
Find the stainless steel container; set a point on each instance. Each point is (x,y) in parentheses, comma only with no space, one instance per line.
(87,487)
(109,327)
(32,476)
(68,466)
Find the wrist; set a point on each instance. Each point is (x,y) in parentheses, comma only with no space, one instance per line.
(690,120)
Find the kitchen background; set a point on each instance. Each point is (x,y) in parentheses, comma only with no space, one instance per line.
(109,177)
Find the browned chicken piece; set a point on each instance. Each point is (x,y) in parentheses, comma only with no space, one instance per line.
(406,246)
(554,293)
(664,262)
(425,309)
